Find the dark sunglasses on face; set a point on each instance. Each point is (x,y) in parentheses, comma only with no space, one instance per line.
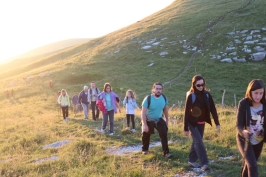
(200,85)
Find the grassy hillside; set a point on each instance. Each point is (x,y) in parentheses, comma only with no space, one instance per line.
(30,121)
(39,53)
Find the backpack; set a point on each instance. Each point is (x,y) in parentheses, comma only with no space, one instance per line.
(194,96)
(96,90)
(149,100)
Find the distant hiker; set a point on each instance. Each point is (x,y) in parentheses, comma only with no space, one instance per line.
(50,83)
(7,94)
(84,101)
(93,96)
(251,127)
(153,108)
(12,93)
(63,101)
(111,103)
(130,103)
(199,105)
(75,102)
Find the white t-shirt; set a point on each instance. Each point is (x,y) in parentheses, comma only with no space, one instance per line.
(256,125)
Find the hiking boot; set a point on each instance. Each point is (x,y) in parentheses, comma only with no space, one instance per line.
(133,131)
(102,131)
(168,155)
(205,168)
(193,164)
(144,152)
(111,134)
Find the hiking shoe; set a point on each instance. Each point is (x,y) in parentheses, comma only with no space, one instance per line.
(193,164)
(205,168)
(111,134)
(67,119)
(168,155)
(102,131)
(133,131)
(144,152)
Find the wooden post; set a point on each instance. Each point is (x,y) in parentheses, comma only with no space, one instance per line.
(179,104)
(235,101)
(223,99)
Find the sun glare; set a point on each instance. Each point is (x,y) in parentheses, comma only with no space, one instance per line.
(29,24)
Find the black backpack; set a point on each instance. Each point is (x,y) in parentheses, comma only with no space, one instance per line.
(96,90)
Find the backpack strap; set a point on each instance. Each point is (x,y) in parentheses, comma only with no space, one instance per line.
(149,99)
(194,96)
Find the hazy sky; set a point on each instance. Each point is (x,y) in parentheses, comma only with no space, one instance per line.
(28,24)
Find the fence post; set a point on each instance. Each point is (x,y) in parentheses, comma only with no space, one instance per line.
(223,99)
(235,101)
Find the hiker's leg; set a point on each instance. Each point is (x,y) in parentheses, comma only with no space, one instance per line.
(196,133)
(93,106)
(63,112)
(97,112)
(67,111)
(162,129)
(128,120)
(85,110)
(250,167)
(111,118)
(145,141)
(133,121)
(105,120)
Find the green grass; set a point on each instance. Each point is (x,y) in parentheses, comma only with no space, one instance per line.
(30,121)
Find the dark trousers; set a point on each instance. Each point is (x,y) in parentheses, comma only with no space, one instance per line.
(162,129)
(93,108)
(132,117)
(109,114)
(197,149)
(251,156)
(65,111)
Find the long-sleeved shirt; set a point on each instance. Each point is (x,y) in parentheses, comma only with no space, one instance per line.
(131,104)
(211,109)
(63,100)
(93,94)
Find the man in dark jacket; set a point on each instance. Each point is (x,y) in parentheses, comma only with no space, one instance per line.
(84,101)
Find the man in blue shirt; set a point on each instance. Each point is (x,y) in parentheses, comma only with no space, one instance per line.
(153,108)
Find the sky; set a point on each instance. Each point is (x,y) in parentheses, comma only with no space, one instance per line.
(29,24)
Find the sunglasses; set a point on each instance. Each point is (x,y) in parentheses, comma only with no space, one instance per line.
(200,85)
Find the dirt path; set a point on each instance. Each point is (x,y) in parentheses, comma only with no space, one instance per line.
(202,35)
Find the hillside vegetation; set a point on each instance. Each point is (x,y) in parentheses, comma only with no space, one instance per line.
(40,52)
(30,120)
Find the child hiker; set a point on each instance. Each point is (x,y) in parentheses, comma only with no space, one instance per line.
(63,101)
(130,102)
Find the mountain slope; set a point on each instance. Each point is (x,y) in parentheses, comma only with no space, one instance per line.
(41,52)
(183,26)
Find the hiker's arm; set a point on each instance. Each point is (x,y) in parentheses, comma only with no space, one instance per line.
(165,111)
(214,111)
(187,113)
(117,105)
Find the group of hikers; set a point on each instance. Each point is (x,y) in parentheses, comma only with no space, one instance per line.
(250,126)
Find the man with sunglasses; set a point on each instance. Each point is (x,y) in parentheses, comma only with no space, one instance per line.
(153,108)
(199,105)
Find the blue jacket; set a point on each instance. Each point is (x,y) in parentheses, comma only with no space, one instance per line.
(83,98)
